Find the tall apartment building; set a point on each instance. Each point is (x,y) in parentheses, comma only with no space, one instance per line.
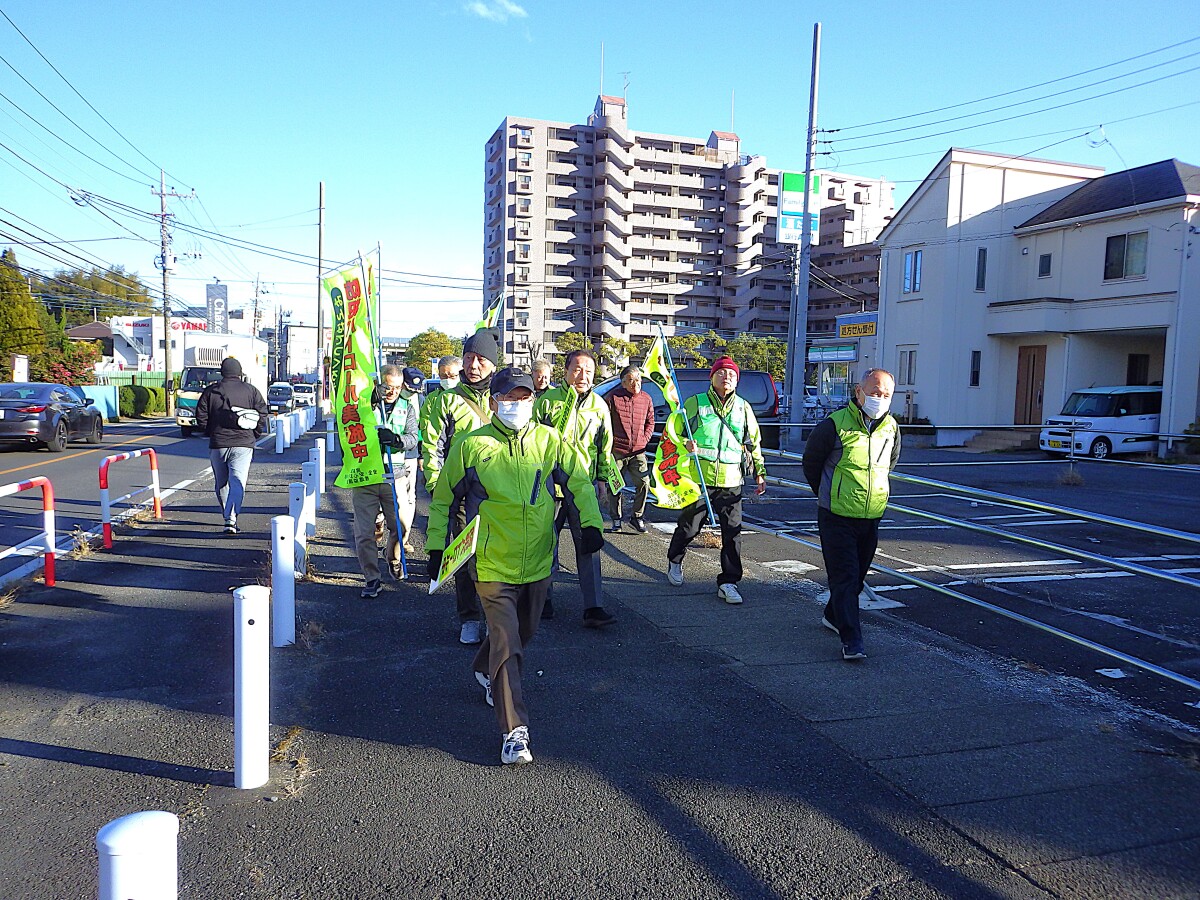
(610,232)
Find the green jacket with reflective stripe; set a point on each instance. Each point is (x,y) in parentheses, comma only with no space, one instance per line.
(507,479)
(445,417)
(584,422)
(719,444)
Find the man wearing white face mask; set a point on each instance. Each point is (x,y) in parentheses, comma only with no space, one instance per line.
(847,460)
(506,473)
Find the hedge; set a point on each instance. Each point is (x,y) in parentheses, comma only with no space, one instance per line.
(137,400)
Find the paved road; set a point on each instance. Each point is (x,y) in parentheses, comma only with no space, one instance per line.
(1150,619)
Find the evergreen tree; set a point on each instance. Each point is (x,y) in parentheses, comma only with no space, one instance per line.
(20,325)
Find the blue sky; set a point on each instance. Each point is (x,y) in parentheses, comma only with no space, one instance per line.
(252,104)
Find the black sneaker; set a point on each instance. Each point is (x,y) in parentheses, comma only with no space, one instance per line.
(597,617)
(616,526)
(371,589)
(548,608)
(853,651)
(639,524)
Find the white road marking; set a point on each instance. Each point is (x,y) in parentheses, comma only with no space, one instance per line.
(790,566)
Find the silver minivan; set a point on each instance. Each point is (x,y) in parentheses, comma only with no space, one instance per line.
(1105,420)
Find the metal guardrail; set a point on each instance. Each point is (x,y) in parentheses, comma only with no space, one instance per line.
(1038,506)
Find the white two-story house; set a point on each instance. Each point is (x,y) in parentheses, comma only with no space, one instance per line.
(1006,284)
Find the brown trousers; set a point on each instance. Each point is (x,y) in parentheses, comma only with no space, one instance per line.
(513,612)
(368,501)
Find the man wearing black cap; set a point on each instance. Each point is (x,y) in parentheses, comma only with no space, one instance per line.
(505,472)
(450,415)
(233,414)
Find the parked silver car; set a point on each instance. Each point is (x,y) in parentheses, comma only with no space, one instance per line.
(47,415)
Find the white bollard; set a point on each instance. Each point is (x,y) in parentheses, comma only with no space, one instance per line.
(300,536)
(283,581)
(251,686)
(316,456)
(139,857)
(278,434)
(332,445)
(308,474)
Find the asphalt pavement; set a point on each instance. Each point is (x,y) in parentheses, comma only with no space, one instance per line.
(694,749)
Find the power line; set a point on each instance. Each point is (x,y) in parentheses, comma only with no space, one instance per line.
(1011,92)
(1019,116)
(83,98)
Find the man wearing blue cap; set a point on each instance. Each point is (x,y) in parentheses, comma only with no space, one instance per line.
(505,473)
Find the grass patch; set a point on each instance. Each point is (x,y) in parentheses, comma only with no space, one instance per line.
(81,544)
(9,597)
(311,633)
(1070,478)
(290,754)
(709,539)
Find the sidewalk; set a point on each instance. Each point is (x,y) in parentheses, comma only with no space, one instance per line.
(692,750)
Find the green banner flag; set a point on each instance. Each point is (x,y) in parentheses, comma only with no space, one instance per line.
(675,478)
(352,371)
(658,369)
(493,313)
(460,550)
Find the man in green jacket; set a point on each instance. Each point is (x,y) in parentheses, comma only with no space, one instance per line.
(447,417)
(847,460)
(723,429)
(575,412)
(505,473)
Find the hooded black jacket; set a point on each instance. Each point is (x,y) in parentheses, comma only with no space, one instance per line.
(215,416)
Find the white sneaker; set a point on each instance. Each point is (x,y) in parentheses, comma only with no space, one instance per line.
(729,593)
(675,573)
(471,632)
(487,687)
(515,750)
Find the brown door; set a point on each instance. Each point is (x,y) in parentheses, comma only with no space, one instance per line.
(1031,382)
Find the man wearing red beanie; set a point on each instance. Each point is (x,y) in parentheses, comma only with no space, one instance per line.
(724,430)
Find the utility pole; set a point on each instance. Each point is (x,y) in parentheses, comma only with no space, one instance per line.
(320,309)
(165,236)
(801,271)
(254,316)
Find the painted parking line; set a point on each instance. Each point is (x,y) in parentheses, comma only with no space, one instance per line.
(1031,579)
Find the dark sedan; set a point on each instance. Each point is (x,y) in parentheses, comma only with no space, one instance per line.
(47,415)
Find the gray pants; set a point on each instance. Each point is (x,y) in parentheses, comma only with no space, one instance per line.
(231,470)
(636,464)
(368,501)
(513,612)
(588,564)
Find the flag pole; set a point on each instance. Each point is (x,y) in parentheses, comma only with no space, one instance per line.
(687,427)
(377,347)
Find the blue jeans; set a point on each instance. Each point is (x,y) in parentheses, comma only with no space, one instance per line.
(231,468)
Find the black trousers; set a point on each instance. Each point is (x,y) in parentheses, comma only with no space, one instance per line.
(466,600)
(727,504)
(848,546)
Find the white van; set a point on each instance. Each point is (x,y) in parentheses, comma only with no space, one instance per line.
(1106,420)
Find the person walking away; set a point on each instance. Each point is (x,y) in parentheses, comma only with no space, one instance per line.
(541,378)
(724,432)
(450,415)
(504,472)
(397,432)
(632,414)
(847,461)
(582,418)
(233,413)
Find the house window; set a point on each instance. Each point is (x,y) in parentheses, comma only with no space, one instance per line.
(1044,265)
(981,269)
(906,366)
(1125,256)
(912,271)
(976,360)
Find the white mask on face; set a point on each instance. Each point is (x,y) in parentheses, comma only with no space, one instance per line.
(449,383)
(876,407)
(514,413)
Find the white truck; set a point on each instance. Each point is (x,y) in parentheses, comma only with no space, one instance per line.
(202,356)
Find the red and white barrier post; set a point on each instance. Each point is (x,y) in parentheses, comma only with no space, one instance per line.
(106,504)
(47,516)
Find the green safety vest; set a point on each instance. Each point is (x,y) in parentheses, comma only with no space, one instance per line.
(855,481)
(720,444)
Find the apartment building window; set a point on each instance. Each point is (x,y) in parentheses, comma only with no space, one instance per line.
(906,366)
(1125,256)
(1044,265)
(523,273)
(522,251)
(525,159)
(523,206)
(981,269)
(976,363)
(523,229)
(524,182)
(912,271)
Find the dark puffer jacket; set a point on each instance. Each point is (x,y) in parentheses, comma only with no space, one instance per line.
(216,418)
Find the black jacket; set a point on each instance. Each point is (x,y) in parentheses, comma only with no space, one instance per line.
(216,418)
